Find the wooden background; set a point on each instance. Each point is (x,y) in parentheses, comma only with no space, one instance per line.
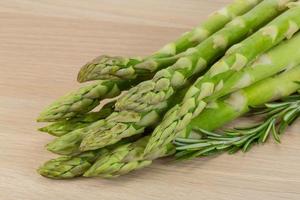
(42,45)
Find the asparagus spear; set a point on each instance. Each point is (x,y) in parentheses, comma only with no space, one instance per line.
(65,126)
(129,157)
(143,104)
(112,68)
(178,117)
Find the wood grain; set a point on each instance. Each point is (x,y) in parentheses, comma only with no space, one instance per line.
(42,45)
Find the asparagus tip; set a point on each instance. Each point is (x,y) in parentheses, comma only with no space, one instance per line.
(106,67)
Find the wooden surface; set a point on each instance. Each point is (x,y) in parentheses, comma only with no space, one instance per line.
(42,45)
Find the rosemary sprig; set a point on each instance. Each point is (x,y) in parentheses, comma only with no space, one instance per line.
(277,117)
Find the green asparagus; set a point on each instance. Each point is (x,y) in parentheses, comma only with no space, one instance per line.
(115,68)
(195,101)
(143,104)
(114,141)
(128,157)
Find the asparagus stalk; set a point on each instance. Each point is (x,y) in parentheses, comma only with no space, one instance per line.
(129,157)
(112,68)
(195,101)
(143,104)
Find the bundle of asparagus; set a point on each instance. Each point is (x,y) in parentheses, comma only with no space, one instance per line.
(241,58)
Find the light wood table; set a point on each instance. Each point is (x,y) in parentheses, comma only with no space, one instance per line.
(42,45)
